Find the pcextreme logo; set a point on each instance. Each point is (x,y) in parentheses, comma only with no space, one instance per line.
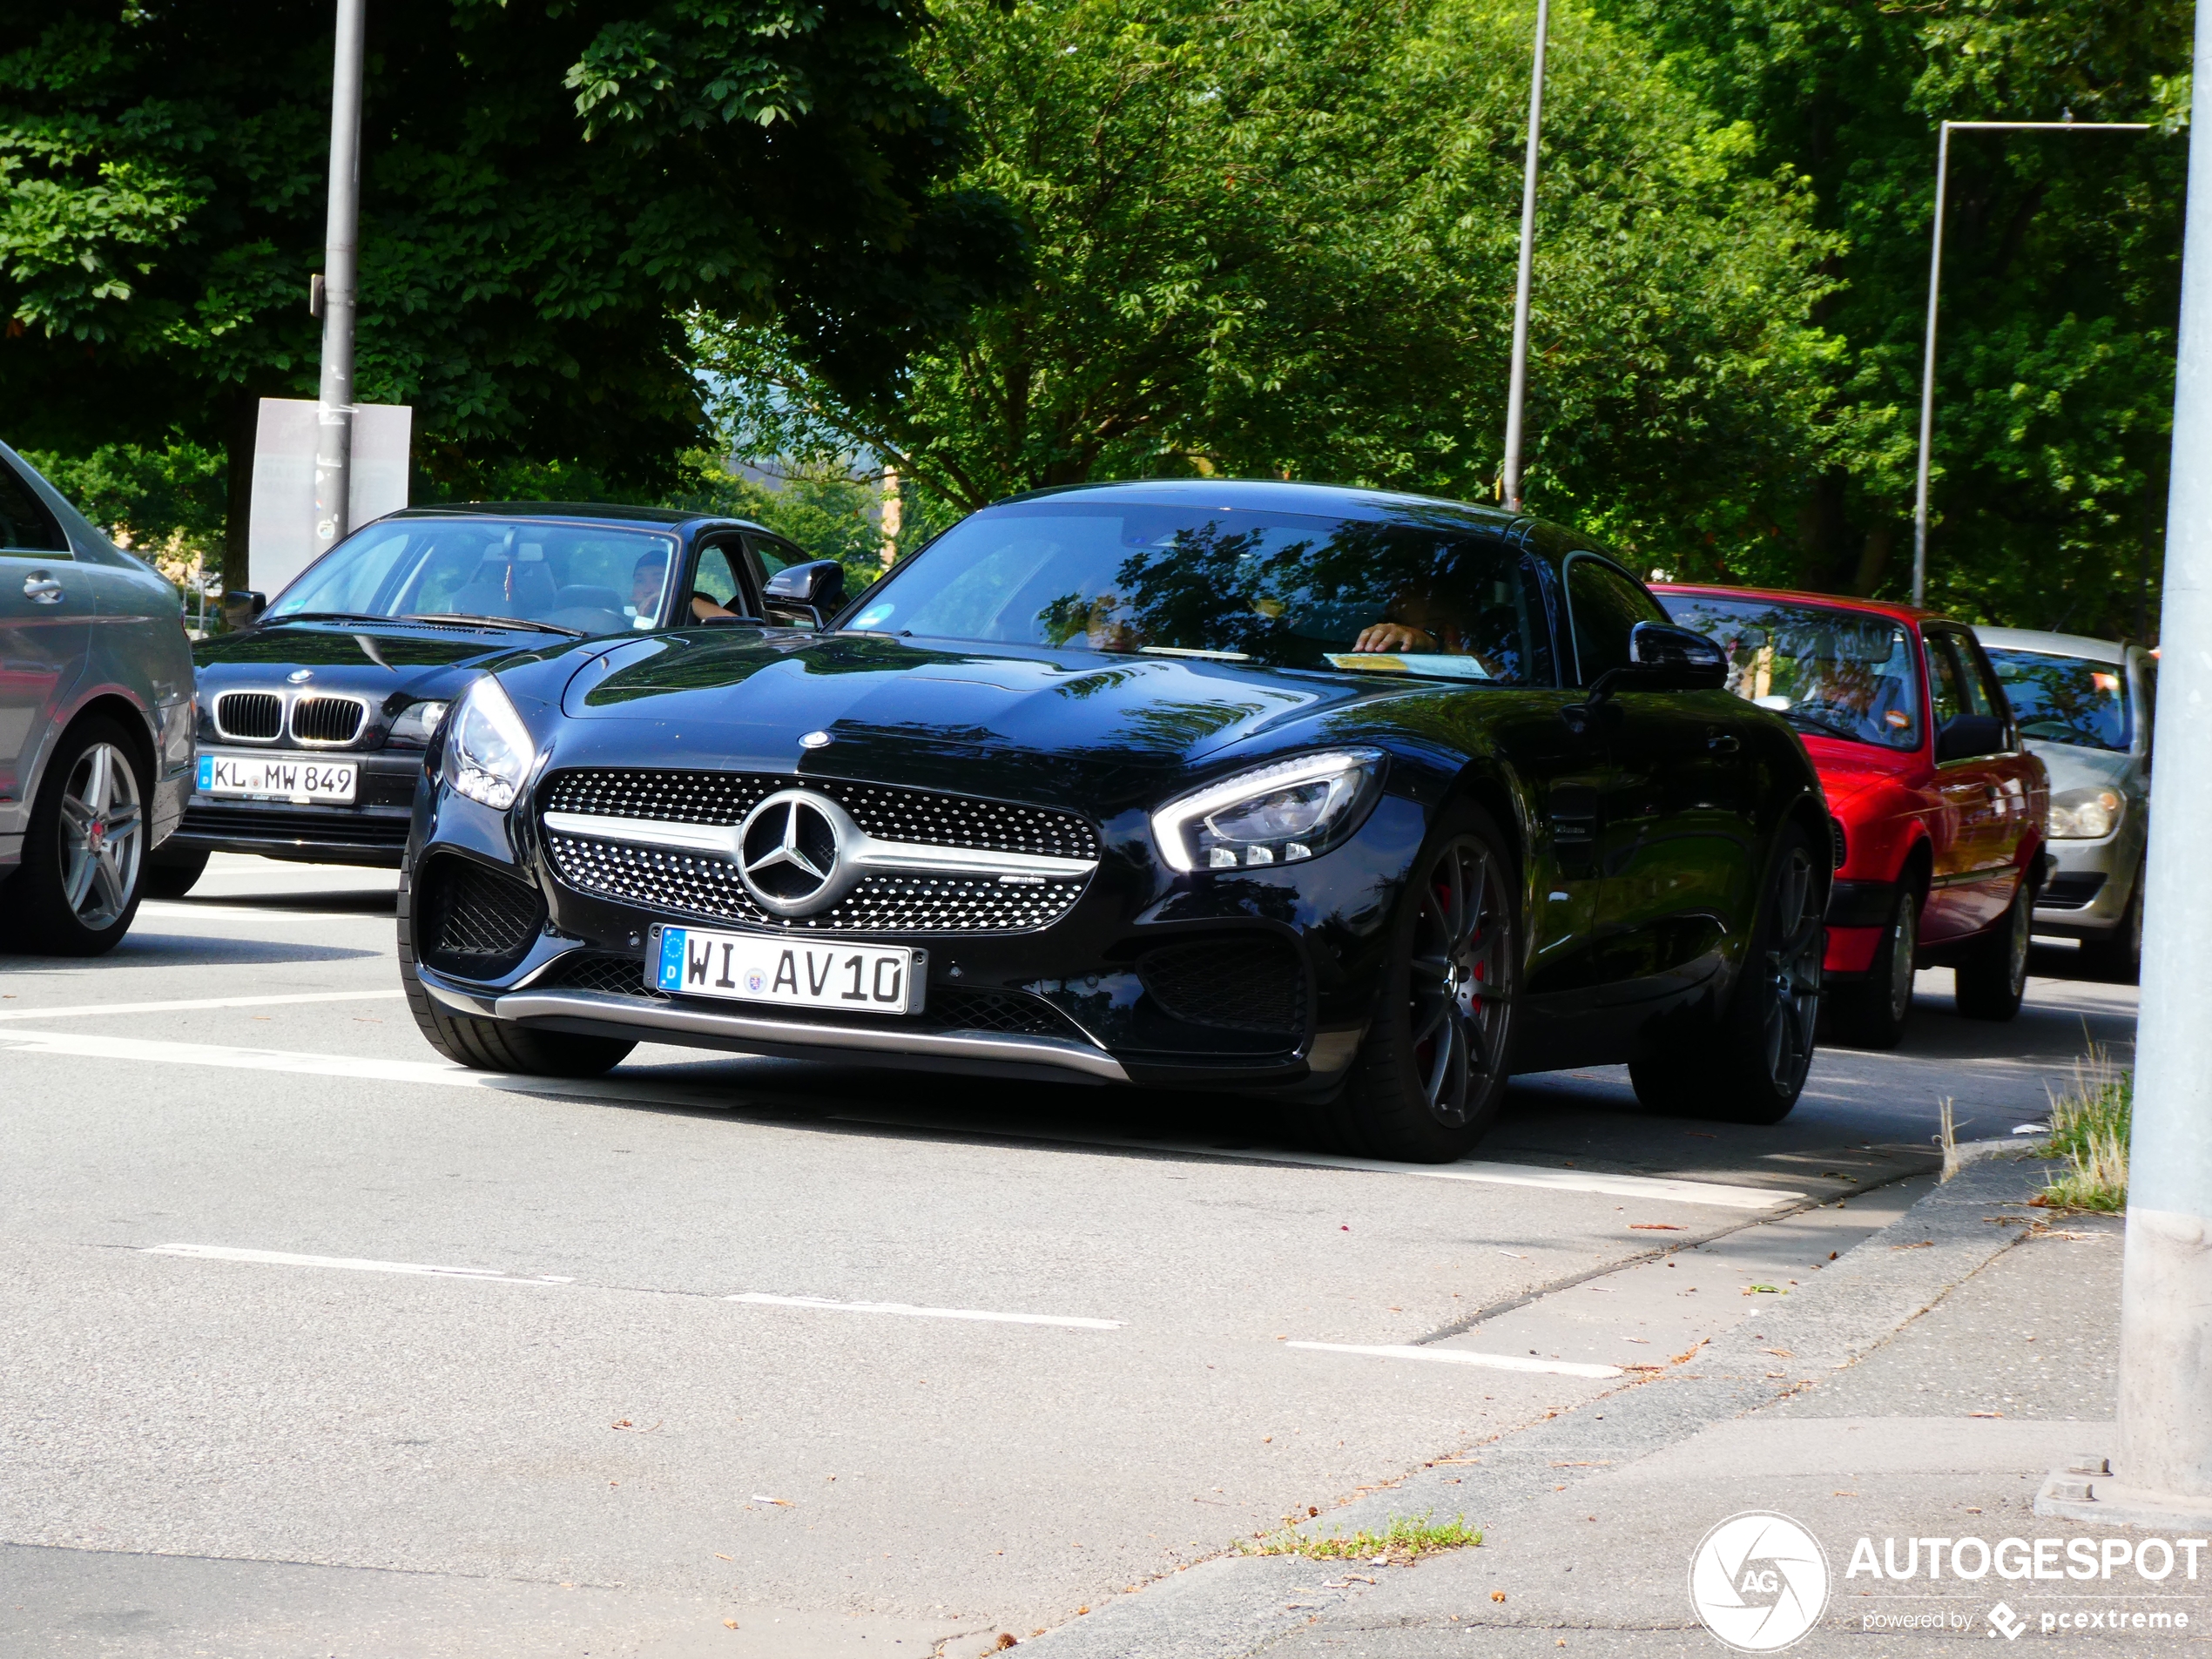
(1759,1581)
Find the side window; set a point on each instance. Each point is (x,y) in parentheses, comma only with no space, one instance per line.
(716,586)
(26,525)
(1604,606)
(1949,697)
(1984,692)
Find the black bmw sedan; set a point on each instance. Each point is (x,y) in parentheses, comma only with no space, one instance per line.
(1364,801)
(314,720)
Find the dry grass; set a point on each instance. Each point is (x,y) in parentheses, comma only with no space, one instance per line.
(2089,1129)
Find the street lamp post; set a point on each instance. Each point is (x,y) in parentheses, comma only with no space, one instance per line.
(341,268)
(1935,280)
(1510,485)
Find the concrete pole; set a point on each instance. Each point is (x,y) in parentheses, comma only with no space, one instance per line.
(2165,1444)
(341,269)
(1509,489)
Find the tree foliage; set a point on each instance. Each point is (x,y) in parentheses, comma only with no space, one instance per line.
(2060,282)
(1278,237)
(547,187)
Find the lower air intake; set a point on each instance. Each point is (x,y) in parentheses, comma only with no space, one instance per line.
(1234,985)
(476,922)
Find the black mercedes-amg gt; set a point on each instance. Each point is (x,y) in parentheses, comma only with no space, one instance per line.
(1362,800)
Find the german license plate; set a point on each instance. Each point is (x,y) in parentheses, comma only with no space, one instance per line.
(803,974)
(303,780)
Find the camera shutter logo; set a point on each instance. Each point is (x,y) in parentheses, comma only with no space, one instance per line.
(1759,1581)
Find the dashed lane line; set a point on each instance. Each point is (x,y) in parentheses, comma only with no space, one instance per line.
(1467,1356)
(761,1298)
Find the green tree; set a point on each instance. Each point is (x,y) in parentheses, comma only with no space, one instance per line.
(1278,237)
(2061,286)
(548,187)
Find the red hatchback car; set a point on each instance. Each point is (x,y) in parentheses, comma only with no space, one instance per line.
(1939,811)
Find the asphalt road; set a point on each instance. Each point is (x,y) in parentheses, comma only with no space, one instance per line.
(316,1343)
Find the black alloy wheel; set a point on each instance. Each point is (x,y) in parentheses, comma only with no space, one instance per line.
(81,872)
(1993,979)
(1754,1069)
(1432,1076)
(1870,1013)
(497,1045)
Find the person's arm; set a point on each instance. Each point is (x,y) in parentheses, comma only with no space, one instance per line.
(1394,636)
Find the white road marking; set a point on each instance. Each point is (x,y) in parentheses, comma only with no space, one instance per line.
(293,909)
(762,1298)
(184,1005)
(639,1087)
(1464,1357)
(287,1258)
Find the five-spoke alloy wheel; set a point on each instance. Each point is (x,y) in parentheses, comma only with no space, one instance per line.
(85,850)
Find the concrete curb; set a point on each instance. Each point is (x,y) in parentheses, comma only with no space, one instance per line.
(1233,1605)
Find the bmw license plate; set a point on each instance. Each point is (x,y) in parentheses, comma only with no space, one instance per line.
(302,780)
(806,973)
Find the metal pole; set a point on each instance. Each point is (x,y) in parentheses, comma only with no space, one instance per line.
(1927,375)
(2165,1313)
(1510,487)
(1935,285)
(342,266)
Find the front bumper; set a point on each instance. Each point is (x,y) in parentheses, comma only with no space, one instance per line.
(2086,896)
(371,831)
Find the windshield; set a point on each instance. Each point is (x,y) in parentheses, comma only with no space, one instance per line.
(1280,588)
(1840,673)
(2066,700)
(588,579)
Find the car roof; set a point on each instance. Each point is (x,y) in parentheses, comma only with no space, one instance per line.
(2095,651)
(610,512)
(1276,494)
(1896,612)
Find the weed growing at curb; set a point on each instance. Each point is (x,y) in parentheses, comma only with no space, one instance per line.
(1400,1543)
(2090,1127)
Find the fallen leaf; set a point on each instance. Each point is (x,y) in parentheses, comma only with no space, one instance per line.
(1985,1413)
(1497,1595)
(1779,1353)
(729,1624)
(1925,1243)
(1842,1494)
(1656,1227)
(1690,1352)
(1006,1640)
(625,1423)
(720,1557)
(781,1503)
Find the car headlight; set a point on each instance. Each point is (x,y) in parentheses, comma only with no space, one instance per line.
(417,725)
(2086,814)
(491,747)
(1273,814)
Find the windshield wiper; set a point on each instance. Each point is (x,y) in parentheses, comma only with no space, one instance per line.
(497,622)
(325,616)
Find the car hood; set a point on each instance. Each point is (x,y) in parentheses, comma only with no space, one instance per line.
(934,711)
(434,661)
(1848,770)
(2072,766)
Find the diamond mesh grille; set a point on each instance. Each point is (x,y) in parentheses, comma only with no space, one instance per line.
(891,814)
(1235,985)
(700,885)
(480,920)
(249,714)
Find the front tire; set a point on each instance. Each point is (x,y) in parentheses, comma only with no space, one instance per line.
(1994,978)
(1870,1013)
(498,1045)
(1431,1077)
(1755,1070)
(84,851)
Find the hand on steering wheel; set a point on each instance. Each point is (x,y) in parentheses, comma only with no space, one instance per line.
(1393,636)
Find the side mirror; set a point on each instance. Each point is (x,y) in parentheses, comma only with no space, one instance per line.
(243,604)
(1669,658)
(808,592)
(1965,736)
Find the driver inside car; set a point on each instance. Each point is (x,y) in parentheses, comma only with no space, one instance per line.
(645,581)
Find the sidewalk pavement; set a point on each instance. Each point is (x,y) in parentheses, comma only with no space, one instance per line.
(1922,1388)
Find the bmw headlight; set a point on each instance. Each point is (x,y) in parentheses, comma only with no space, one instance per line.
(491,750)
(1273,814)
(2086,814)
(417,724)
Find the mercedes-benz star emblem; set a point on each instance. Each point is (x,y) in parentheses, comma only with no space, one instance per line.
(789,852)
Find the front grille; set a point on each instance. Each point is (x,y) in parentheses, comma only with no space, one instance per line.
(477,921)
(700,885)
(2072,892)
(950,1007)
(1839,848)
(892,814)
(1235,985)
(255,715)
(336,827)
(328,719)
